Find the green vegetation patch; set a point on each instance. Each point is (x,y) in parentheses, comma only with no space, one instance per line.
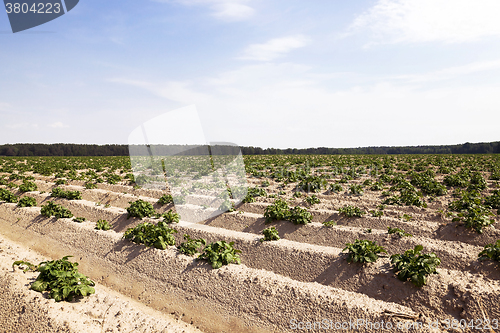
(27,202)
(60,278)
(313,199)
(165,199)
(102,225)
(329,223)
(53,209)
(190,246)
(398,231)
(28,187)
(220,253)
(58,192)
(351,211)
(415,266)
(8,196)
(491,252)
(299,215)
(279,210)
(363,251)
(157,235)
(312,184)
(171,217)
(254,192)
(140,209)
(270,234)
(356,189)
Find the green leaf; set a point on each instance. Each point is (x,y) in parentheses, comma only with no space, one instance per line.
(39,286)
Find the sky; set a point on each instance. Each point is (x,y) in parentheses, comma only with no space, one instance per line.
(273,73)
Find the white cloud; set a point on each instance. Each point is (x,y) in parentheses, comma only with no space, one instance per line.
(274,48)
(452,72)
(58,124)
(232,11)
(415,21)
(4,106)
(177,91)
(228,10)
(16,126)
(269,104)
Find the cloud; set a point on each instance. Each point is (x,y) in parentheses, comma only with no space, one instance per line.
(278,101)
(177,91)
(227,10)
(4,106)
(274,48)
(451,72)
(16,126)
(58,124)
(417,21)
(232,11)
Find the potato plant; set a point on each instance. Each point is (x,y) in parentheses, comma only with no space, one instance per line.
(102,225)
(351,211)
(493,201)
(58,192)
(61,182)
(60,278)
(490,252)
(356,189)
(415,266)
(190,246)
(159,236)
(270,234)
(376,213)
(179,199)
(299,215)
(171,217)
(363,251)
(165,199)
(312,184)
(7,196)
(336,188)
(378,186)
(313,199)
(28,187)
(220,253)
(398,231)
(471,212)
(279,210)
(329,223)
(254,192)
(227,206)
(90,185)
(140,209)
(27,202)
(53,209)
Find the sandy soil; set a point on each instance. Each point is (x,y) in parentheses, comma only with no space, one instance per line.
(24,310)
(303,276)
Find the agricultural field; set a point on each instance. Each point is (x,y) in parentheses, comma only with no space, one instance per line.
(406,243)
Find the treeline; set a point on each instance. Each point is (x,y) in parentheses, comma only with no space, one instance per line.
(466,148)
(71,149)
(62,149)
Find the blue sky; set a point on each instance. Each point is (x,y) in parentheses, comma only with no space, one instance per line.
(279,74)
